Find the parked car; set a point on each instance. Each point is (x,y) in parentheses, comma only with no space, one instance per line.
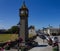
(55,39)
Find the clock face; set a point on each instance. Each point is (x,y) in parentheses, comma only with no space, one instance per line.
(23,12)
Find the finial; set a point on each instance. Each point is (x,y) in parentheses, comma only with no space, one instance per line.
(24,6)
(24,2)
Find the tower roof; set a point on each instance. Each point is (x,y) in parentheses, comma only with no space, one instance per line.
(24,6)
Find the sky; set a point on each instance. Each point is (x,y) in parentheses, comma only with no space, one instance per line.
(41,13)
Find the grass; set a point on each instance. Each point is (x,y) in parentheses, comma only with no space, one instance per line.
(31,35)
(6,37)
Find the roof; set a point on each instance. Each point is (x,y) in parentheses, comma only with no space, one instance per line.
(24,6)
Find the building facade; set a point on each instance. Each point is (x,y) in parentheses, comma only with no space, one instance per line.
(51,30)
(32,31)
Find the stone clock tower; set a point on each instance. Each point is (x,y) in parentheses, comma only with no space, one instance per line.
(23,13)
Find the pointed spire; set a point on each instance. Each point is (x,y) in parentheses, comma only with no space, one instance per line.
(23,6)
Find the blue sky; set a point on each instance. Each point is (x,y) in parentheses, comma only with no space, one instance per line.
(41,13)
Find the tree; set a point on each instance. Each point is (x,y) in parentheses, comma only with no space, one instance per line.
(15,29)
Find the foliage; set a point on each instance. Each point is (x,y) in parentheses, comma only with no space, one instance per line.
(14,29)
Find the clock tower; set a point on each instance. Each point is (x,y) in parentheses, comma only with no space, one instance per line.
(23,13)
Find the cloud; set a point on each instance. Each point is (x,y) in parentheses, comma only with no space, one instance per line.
(1,26)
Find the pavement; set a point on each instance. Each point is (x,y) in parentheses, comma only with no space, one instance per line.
(48,48)
(41,47)
(40,42)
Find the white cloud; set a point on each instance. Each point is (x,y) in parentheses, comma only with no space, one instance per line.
(1,26)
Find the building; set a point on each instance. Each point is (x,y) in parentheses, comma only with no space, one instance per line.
(50,30)
(32,31)
(23,13)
